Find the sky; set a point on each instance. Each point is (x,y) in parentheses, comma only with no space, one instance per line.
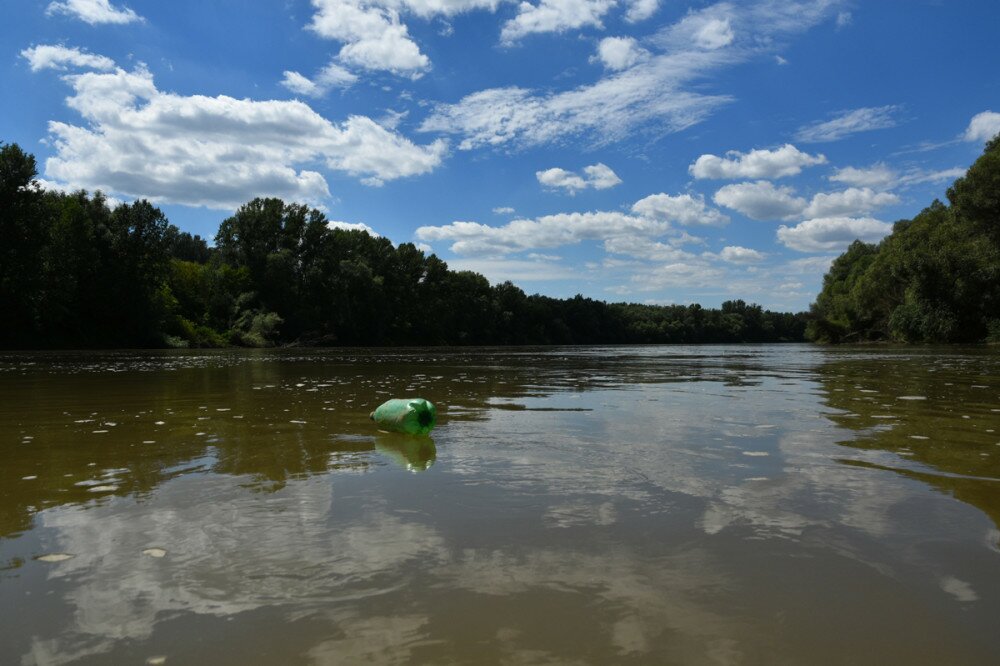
(652,151)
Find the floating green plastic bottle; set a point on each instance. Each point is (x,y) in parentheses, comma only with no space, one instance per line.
(413,416)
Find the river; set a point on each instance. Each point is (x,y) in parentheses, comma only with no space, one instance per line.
(721,505)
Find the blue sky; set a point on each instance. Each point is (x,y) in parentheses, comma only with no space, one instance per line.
(643,150)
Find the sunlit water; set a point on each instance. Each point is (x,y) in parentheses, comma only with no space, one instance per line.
(691,505)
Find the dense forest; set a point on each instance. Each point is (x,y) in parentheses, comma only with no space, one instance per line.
(75,273)
(935,278)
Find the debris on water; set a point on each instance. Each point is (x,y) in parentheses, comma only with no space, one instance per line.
(413,416)
(157,660)
(98,432)
(299,422)
(30,477)
(756,454)
(159,423)
(154,552)
(149,441)
(55,557)
(919,437)
(912,397)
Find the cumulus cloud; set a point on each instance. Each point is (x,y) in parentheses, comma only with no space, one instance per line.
(216,151)
(764,201)
(849,122)
(373,36)
(918,176)
(537,268)
(473,238)
(832,234)
(652,95)
(714,34)
(331,76)
(683,209)
(618,53)
(784,161)
(878,176)
(635,235)
(58,57)
(735,254)
(881,177)
(554,16)
(638,247)
(983,126)
(94,11)
(597,176)
(761,200)
(352,226)
(851,202)
(640,10)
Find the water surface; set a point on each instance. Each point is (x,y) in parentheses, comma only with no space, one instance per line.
(696,505)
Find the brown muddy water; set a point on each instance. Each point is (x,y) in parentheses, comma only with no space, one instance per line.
(657,505)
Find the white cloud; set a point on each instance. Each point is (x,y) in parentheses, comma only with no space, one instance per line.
(832,234)
(503,210)
(640,10)
(844,19)
(618,53)
(852,202)
(878,176)
(539,268)
(352,226)
(554,16)
(646,249)
(598,176)
(784,161)
(472,238)
(331,76)
(919,176)
(216,151)
(761,200)
(683,209)
(714,34)
(676,274)
(983,126)
(58,57)
(848,123)
(94,11)
(651,95)
(735,254)
(372,34)
(300,84)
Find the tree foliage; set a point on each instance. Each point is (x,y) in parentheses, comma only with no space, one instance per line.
(77,273)
(935,278)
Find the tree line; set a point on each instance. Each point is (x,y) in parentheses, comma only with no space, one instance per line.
(935,278)
(77,273)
